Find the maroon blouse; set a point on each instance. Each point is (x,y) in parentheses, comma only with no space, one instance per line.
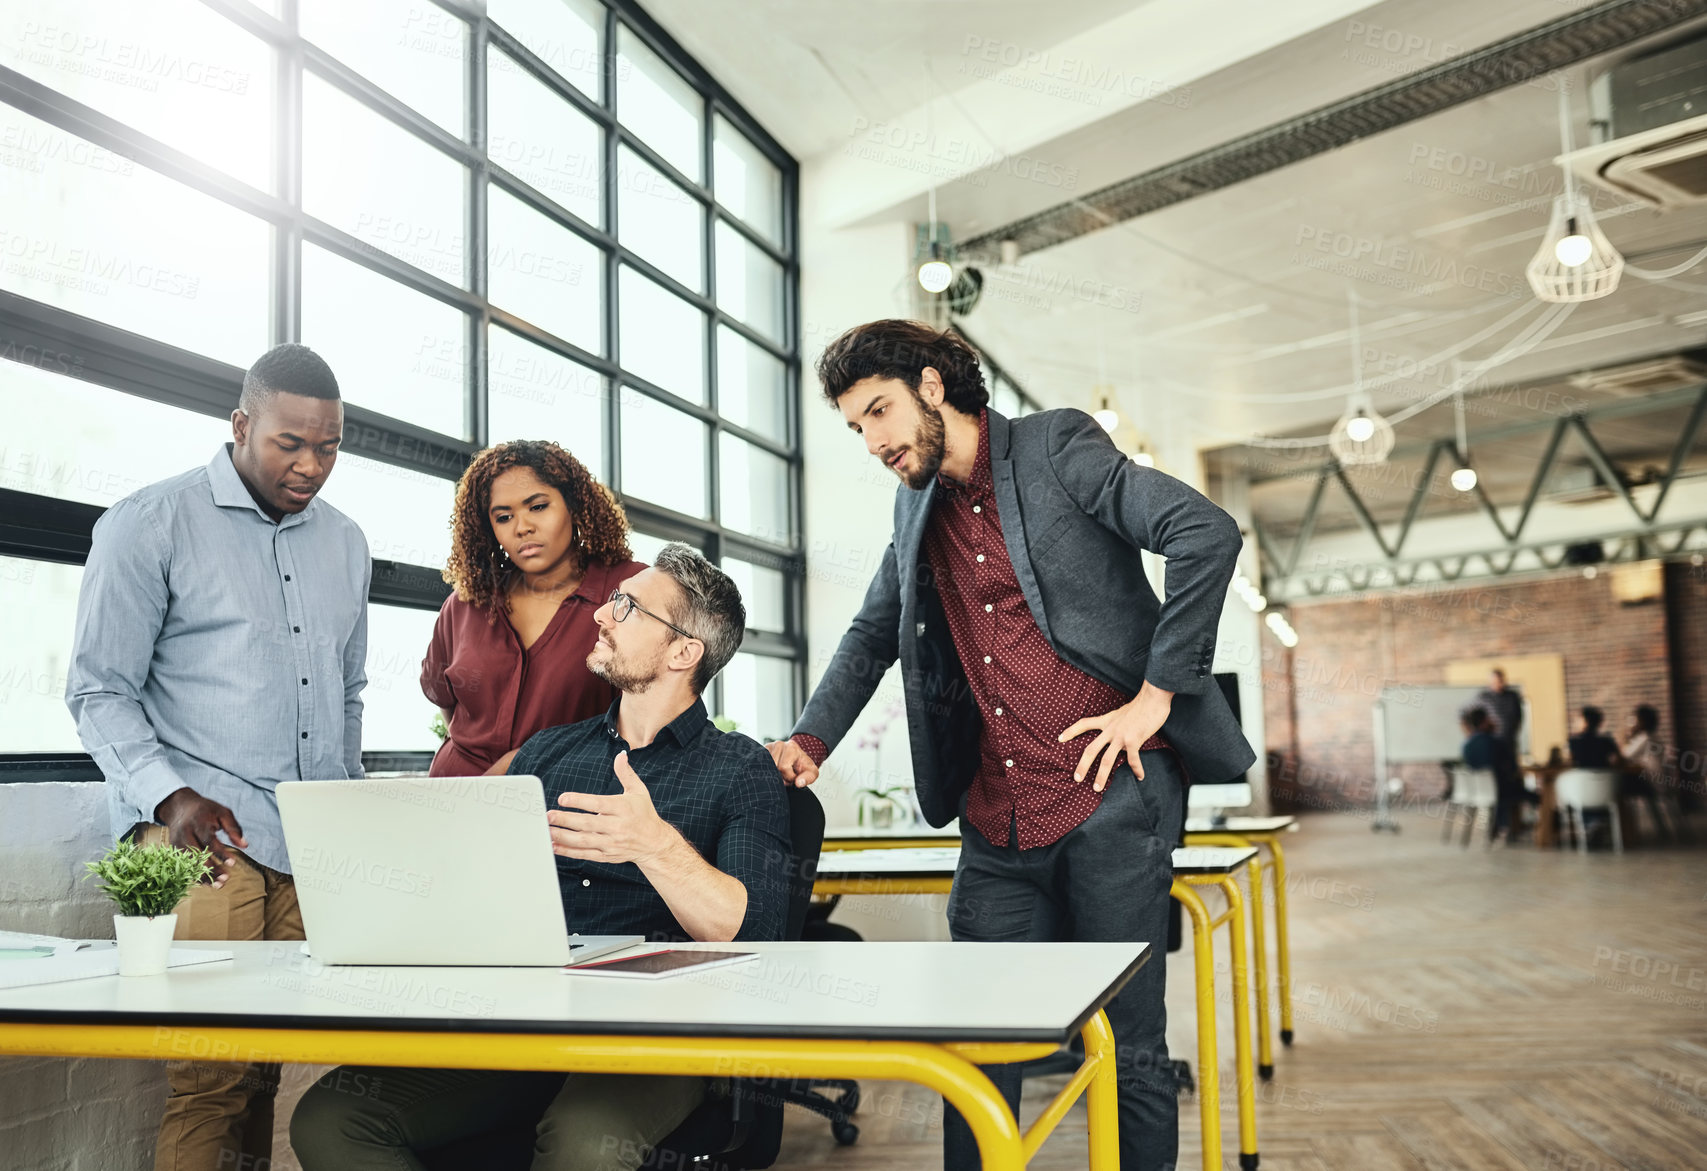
(499,694)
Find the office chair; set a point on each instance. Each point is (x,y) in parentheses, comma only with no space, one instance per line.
(739,1126)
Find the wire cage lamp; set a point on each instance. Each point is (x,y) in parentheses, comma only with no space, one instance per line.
(1576,262)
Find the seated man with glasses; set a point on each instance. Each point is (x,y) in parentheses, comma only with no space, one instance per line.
(662,826)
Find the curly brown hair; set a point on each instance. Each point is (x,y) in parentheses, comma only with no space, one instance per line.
(475,567)
(897,348)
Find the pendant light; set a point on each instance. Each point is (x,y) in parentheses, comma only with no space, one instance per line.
(1361,436)
(1463,476)
(935,272)
(1576,262)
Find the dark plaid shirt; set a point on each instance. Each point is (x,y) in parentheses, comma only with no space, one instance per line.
(719,790)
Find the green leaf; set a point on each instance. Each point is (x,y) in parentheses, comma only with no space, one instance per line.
(148,880)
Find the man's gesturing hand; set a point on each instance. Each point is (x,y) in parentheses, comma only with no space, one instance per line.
(623,828)
(1123,730)
(793,762)
(193,821)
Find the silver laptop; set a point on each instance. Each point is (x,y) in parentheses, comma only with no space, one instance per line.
(453,871)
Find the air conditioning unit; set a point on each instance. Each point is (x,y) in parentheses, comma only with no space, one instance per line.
(1653,111)
(1577,483)
(1634,379)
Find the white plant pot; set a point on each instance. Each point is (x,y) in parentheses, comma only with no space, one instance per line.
(144,942)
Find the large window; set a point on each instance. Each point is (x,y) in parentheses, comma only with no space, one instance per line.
(541,222)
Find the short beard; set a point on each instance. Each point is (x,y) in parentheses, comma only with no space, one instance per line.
(929,445)
(622,677)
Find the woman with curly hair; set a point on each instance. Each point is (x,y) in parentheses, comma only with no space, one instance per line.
(537,546)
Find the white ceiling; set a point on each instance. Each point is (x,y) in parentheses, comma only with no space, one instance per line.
(1219,319)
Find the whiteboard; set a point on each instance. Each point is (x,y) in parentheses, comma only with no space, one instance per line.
(1421,723)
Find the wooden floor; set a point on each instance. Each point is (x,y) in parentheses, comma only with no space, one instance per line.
(1455,1008)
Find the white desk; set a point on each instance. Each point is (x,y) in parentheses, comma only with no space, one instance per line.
(1242,825)
(922,1012)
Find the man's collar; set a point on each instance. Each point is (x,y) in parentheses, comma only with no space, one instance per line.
(229,490)
(685,728)
(979,481)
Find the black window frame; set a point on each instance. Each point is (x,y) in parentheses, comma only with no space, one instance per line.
(38,527)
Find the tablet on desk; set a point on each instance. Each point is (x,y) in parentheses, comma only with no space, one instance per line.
(653,965)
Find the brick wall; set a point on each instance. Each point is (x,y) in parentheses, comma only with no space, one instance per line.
(1615,656)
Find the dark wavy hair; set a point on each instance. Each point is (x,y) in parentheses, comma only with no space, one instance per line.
(475,566)
(897,348)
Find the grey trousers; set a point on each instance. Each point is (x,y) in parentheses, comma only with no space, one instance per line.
(1106,881)
(370,1118)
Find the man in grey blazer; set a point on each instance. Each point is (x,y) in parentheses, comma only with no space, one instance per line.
(1053,704)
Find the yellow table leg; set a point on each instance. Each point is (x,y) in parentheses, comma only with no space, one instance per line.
(1259,941)
(937,1067)
(1102,1104)
(1282,948)
(1208,1084)
(1247,1090)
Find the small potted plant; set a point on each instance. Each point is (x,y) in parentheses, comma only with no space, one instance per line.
(145,883)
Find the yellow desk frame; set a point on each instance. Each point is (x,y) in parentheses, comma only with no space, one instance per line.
(949,1069)
(1282,945)
(1203,926)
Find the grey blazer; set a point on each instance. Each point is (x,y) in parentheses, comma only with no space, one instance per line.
(1074,513)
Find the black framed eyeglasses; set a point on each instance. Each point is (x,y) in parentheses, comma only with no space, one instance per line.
(621,606)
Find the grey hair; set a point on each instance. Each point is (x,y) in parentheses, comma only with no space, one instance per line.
(711,608)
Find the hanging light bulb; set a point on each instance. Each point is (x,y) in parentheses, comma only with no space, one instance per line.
(1573,249)
(935,274)
(1361,436)
(1463,476)
(1576,262)
(1106,416)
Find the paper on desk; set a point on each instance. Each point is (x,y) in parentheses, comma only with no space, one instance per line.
(56,945)
(89,963)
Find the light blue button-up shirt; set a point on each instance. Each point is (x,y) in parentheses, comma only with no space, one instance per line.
(219,650)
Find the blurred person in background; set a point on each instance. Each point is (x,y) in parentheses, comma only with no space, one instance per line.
(1591,747)
(1504,708)
(538,545)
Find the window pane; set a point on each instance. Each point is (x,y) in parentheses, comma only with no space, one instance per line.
(74,440)
(748,183)
(662,337)
(663,454)
(373,179)
(540,138)
(763,590)
(415,51)
(562,33)
(405,513)
(749,283)
(758,694)
(38,614)
(396,717)
(659,220)
(536,394)
(173,69)
(542,272)
(752,386)
(646,546)
(88,231)
(394,350)
(657,104)
(753,490)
